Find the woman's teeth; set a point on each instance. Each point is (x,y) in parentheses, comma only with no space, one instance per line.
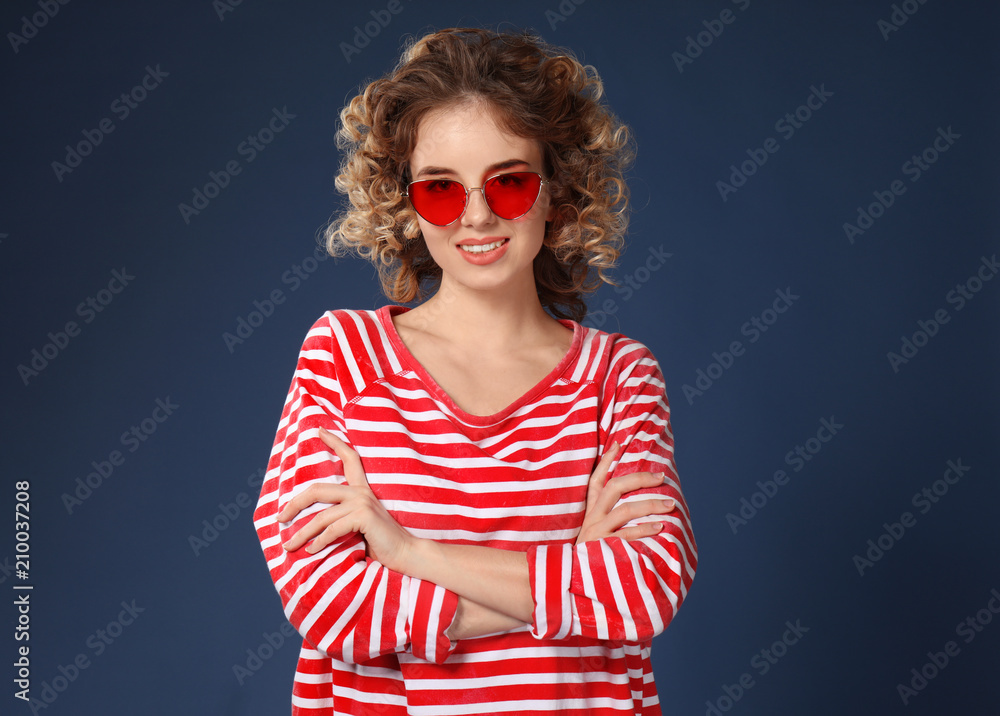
(482,248)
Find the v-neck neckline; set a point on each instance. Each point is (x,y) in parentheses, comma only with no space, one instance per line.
(385,315)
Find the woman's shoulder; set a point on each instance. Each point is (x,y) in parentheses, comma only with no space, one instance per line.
(620,365)
(615,347)
(353,344)
(614,359)
(336,321)
(348,332)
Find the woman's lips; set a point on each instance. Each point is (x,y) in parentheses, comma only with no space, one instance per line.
(482,252)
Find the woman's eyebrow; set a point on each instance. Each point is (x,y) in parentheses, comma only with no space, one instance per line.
(495,167)
(508,164)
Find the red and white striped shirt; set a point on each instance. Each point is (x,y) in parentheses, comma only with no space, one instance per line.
(375,639)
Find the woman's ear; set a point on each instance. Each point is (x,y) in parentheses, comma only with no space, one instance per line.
(552,212)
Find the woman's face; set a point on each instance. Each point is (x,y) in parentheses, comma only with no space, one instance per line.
(465,144)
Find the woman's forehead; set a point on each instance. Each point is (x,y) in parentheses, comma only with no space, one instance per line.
(468,136)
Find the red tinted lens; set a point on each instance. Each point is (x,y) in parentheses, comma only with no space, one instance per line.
(511,196)
(439,201)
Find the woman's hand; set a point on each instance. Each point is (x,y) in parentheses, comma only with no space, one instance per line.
(354,508)
(603,519)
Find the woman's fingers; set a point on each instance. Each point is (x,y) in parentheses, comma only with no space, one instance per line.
(605,517)
(617,487)
(320,522)
(323,492)
(631,511)
(600,475)
(354,473)
(350,509)
(614,523)
(326,492)
(646,529)
(337,529)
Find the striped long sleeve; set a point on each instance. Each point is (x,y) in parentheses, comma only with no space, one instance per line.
(347,606)
(615,589)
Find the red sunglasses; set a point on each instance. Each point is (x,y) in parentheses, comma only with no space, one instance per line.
(443,201)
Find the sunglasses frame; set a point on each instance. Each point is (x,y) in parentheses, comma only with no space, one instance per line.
(542,182)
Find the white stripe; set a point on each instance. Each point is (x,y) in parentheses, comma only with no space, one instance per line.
(387,348)
(434,623)
(541,617)
(349,359)
(565,598)
(483,513)
(516,536)
(312,703)
(600,616)
(380,597)
(602,342)
(524,679)
(583,359)
(376,698)
(303,677)
(473,462)
(540,650)
(621,601)
(439,412)
(362,328)
(533,484)
(520,705)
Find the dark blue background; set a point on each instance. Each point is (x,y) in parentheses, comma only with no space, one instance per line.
(825,357)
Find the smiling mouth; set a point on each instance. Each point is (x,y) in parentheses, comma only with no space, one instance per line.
(482,248)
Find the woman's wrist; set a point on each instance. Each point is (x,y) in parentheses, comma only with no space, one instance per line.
(473,619)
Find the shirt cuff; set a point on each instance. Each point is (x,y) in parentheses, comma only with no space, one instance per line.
(550,570)
(430,611)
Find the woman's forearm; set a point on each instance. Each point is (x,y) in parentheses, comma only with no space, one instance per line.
(493,578)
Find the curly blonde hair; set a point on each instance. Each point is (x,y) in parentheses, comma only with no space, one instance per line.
(535,91)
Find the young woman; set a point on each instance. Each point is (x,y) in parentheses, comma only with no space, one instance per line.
(471,506)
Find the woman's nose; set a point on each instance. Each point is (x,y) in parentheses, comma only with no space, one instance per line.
(477,211)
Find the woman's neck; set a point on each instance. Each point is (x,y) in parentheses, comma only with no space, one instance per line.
(491,320)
